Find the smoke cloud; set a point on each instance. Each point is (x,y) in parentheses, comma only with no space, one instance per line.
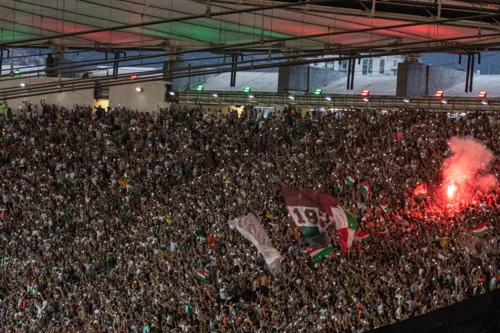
(468,168)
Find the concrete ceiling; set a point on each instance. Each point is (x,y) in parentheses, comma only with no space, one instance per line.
(40,22)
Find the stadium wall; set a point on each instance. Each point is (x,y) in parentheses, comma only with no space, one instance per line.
(66,99)
(145,101)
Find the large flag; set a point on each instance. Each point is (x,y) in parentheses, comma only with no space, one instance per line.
(308,232)
(479,230)
(420,190)
(346,226)
(307,207)
(250,228)
(318,240)
(314,237)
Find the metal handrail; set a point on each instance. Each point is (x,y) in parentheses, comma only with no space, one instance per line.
(458,104)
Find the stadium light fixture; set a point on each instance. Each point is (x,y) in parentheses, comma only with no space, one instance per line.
(171,93)
(328,98)
(318,91)
(251,96)
(23,84)
(365,93)
(139,89)
(444,101)
(484,102)
(439,93)
(214,95)
(247,90)
(291,97)
(200,87)
(482,94)
(406,100)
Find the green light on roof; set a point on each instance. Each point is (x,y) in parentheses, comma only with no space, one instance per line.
(318,91)
(200,87)
(17,72)
(247,89)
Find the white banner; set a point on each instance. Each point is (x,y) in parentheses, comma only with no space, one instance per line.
(250,228)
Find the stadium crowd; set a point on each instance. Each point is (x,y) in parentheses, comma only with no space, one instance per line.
(107,218)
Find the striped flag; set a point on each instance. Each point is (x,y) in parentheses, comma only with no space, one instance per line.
(385,209)
(479,230)
(365,190)
(314,237)
(350,180)
(363,236)
(346,226)
(250,228)
(382,232)
(201,275)
(420,190)
(21,303)
(319,253)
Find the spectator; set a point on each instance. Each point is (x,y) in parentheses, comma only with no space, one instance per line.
(103,221)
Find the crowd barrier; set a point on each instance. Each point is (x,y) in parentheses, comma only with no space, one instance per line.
(447,104)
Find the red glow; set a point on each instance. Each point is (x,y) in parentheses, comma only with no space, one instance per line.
(365,93)
(450,192)
(439,93)
(133,77)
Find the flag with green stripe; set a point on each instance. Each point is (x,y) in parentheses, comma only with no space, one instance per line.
(350,180)
(319,253)
(346,225)
(364,237)
(480,230)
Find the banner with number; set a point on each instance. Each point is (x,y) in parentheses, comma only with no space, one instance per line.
(309,208)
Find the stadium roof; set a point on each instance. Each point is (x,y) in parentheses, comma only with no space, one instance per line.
(287,25)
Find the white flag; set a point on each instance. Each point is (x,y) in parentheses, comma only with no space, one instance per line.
(250,228)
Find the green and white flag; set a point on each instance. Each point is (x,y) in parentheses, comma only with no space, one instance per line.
(339,188)
(350,180)
(346,226)
(365,190)
(250,228)
(201,275)
(479,230)
(319,253)
(385,209)
(382,232)
(364,237)
(189,310)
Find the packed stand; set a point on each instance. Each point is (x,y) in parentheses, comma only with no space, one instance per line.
(107,217)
